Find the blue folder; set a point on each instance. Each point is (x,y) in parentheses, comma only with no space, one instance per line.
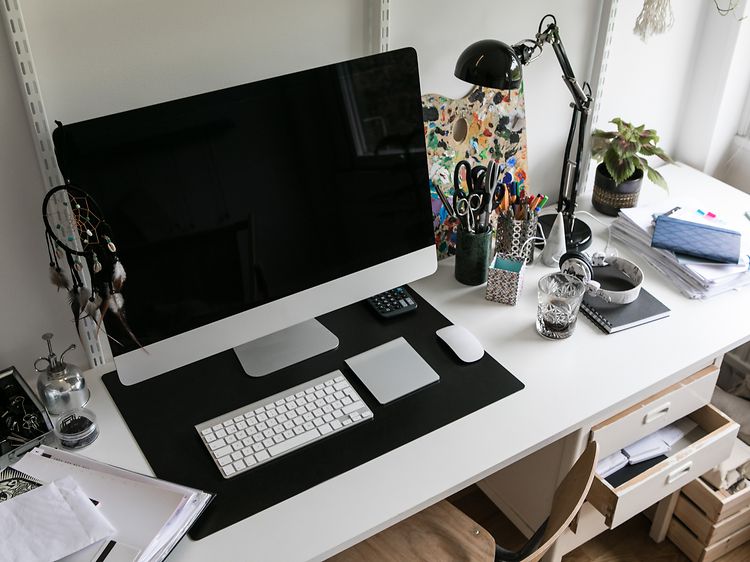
(695,239)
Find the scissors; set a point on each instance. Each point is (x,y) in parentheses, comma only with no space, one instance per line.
(469,205)
(490,192)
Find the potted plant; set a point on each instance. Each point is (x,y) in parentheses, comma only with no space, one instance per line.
(621,154)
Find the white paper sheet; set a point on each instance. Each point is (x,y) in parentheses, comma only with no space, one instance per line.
(50,522)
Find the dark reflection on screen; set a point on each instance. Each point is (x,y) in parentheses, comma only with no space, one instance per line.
(227,200)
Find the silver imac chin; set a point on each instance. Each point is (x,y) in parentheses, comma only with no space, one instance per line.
(278,332)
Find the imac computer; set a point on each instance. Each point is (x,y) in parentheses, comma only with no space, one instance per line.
(242,214)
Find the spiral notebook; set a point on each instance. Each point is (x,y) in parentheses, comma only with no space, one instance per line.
(613,318)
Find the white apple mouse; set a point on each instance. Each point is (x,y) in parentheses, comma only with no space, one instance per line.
(462,342)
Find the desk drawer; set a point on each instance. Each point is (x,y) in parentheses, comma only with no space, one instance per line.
(696,457)
(655,412)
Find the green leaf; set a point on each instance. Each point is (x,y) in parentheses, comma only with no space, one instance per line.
(598,133)
(657,178)
(619,168)
(599,146)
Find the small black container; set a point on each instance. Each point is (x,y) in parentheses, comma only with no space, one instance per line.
(609,197)
(472,256)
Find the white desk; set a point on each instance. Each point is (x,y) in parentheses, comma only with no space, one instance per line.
(569,385)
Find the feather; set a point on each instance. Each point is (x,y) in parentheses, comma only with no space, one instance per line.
(74,300)
(103,308)
(92,306)
(58,278)
(118,277)
(117,307)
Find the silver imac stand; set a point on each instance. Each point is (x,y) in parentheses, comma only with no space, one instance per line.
(286,347)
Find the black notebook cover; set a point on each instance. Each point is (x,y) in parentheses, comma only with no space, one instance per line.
(613,318)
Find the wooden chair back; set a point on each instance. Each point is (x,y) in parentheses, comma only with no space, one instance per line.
(568,499)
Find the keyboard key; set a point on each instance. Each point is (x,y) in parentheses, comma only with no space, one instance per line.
(221,433)
(225,460)
(353,407)
(240,434)
(261,456)
(223,451)
(236,456)
(210,437)
(239,465)
(335,424)
(278,438)
(258,447)
(288,434)
(230,439)
(295,441)
(247,451)
(216,427)
(232,429)
(237,446)
(328,418)
(228,470)
(325,428)
(238,418)
(217,444)
(250,460)
(228,423)
(206,431)
(241,425)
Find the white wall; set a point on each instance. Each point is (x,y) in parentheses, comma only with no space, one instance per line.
(95,58)
(441,29)
(647,82)
(29,305)
(719,89)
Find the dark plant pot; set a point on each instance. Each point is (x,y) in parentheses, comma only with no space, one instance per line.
(609,197)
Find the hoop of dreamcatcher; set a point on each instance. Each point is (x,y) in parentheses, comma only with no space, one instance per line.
(79,220)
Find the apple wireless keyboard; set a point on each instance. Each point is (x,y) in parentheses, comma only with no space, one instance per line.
(250,436)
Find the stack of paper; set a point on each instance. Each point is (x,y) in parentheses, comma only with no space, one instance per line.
(149,516)
(695,278)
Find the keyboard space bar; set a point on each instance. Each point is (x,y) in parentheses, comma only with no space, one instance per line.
(295,441)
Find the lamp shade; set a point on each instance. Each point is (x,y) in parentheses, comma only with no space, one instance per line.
(490,63)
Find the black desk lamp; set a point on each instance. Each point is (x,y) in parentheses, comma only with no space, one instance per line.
(494,64)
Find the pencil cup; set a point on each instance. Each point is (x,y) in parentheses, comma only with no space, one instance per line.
(472,256)
(560,297)
(505,279)
(512,235)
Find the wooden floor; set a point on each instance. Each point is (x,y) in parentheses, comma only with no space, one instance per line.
(627,543)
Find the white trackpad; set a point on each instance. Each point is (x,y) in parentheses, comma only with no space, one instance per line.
(392,370)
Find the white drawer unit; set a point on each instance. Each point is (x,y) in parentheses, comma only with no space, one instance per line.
(655,412)
(688,460)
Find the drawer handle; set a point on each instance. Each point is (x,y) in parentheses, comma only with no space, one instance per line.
(680,472)
(656,413)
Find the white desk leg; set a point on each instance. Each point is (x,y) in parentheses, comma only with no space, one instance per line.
(662,517)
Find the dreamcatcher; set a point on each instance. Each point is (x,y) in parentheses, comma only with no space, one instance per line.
(71,215)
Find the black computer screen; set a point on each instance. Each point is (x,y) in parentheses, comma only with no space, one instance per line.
(226,200)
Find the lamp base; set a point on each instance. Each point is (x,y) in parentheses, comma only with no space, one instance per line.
(577,240)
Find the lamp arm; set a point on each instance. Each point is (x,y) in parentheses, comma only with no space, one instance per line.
(551,35)
(529,49)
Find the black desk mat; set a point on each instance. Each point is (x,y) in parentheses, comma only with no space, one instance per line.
(162,411)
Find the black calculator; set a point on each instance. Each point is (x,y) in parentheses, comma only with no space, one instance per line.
(392,303)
